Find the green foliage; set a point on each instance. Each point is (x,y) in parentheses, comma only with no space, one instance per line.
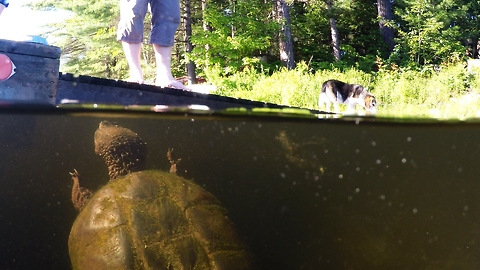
(289,87)
(446,93)
(469,21)
(310,29)
(239,31)
(235,85)
(428,34)
(357,24)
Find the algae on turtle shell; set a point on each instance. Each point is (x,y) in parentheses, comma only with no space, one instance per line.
(149,219)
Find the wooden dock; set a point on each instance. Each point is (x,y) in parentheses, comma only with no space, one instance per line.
(85,89)
(36,74)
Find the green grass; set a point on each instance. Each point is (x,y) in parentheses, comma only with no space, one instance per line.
(448,93)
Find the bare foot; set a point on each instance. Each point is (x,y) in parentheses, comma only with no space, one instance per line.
(173,84)
(135,80)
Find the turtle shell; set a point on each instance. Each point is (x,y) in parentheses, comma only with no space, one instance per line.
(154,220)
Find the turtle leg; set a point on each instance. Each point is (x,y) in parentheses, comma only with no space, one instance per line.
(173,163)
(80,195)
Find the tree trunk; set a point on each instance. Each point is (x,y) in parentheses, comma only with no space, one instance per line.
(191,74)
(475,48)
(206,28)
(334,33)
(285,37)
(385,14)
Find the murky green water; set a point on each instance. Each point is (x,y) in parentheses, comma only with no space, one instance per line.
(303,193)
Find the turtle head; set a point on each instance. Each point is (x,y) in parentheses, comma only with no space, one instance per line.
(122,150)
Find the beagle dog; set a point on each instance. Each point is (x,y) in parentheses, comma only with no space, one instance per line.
(338,92)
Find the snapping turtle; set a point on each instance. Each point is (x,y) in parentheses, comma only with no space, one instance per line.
(148,219)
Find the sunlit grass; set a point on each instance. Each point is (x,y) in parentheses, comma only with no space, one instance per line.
(450,93)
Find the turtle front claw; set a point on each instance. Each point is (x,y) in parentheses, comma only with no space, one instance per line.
(74,174)
(80,195)
(173,163)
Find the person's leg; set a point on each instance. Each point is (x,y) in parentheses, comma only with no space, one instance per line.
(130,33)
(132,54)
(165,21)
(163,57)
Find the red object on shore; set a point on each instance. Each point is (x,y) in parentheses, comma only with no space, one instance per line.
(7,68)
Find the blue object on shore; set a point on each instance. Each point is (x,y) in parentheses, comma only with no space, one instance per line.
(38,39)
(4,2)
